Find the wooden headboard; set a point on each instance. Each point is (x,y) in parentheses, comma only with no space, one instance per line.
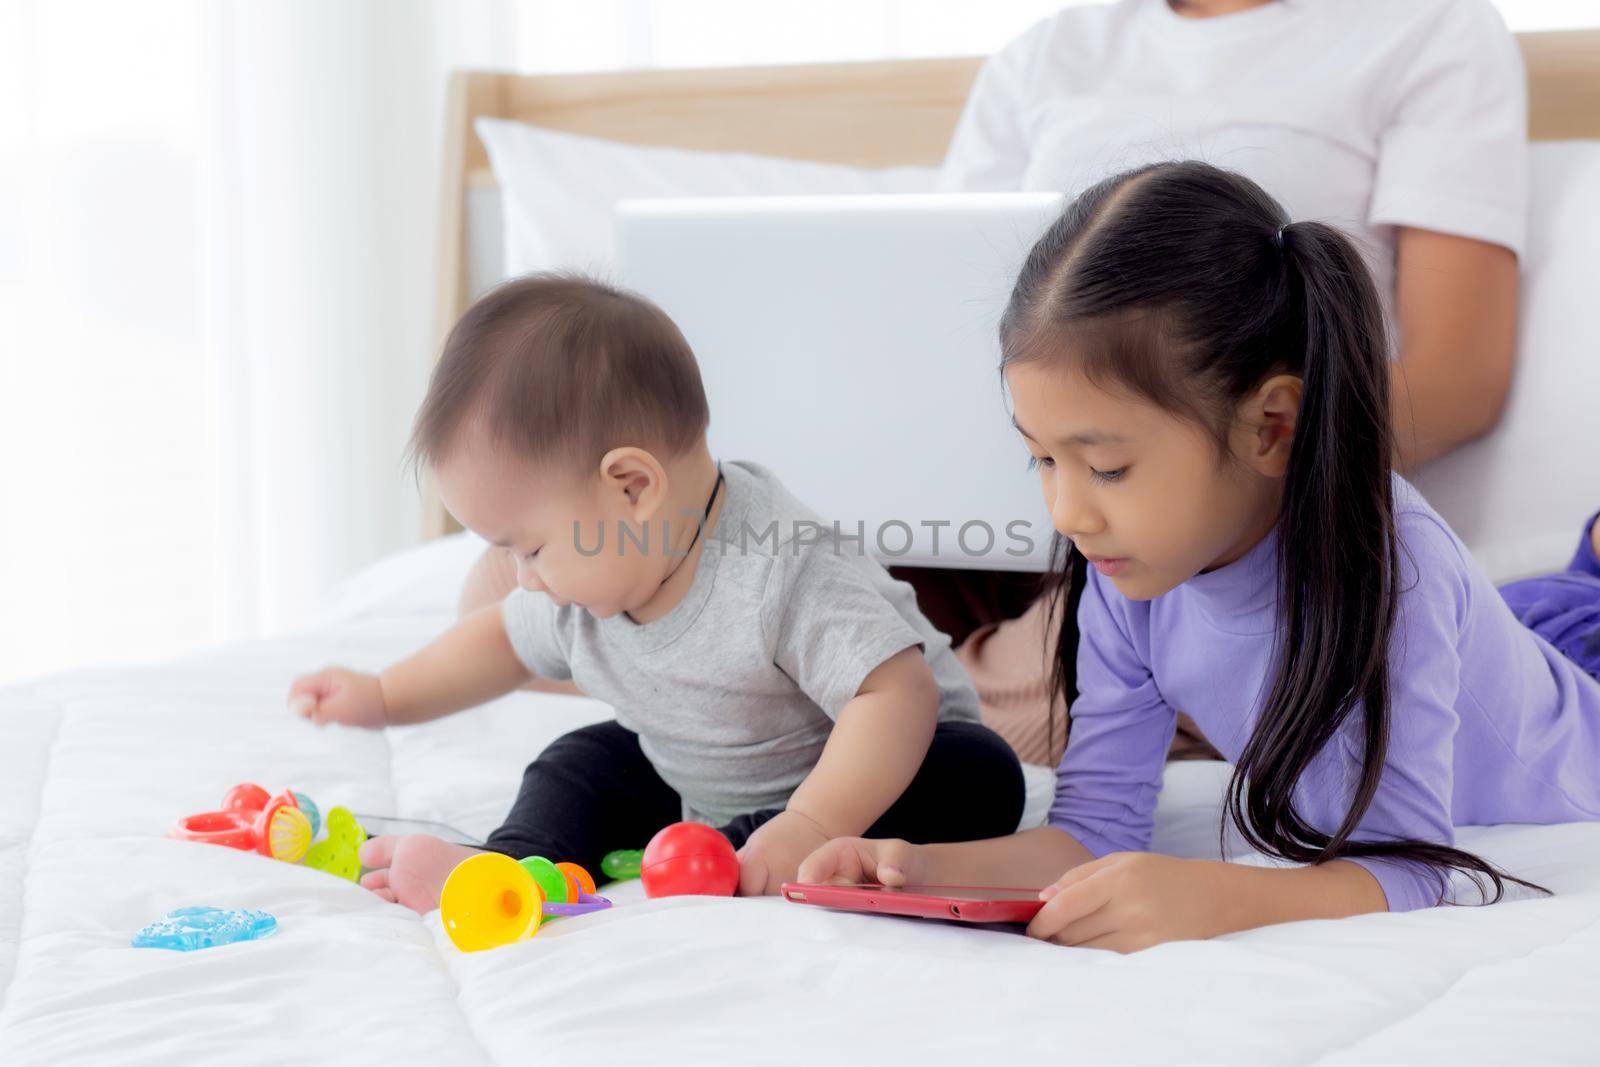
(867,114)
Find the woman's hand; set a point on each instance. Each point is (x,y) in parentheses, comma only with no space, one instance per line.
(1128,901)
(858,860)
(337,695)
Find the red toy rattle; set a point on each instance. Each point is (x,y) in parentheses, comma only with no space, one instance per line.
(252,820)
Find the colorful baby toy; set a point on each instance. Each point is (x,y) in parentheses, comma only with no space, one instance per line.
(282,826)
(689,859)
(684,859)
(491,899)
(338,853)
(187,929)
(622,864)
(313,813)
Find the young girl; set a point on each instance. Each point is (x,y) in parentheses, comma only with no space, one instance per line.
(1203,388)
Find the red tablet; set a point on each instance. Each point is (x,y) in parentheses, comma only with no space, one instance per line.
(968,903)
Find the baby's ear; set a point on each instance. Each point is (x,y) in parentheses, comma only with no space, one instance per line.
(637,477)
(1270,416)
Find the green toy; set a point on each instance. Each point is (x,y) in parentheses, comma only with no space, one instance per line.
(622,864)
(551,882)
(337,853)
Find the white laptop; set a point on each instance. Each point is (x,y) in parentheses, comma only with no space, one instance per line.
(849,343)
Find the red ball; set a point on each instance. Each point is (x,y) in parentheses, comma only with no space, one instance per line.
(689,859)
(245,797)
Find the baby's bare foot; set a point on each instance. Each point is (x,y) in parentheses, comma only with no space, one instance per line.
(1594,537)
(410,869)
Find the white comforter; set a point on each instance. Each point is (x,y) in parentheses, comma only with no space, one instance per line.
(94,766)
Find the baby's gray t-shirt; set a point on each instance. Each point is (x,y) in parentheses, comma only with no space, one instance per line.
(733,692)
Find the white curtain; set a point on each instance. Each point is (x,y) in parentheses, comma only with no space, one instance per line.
(216,245)
(323,169)
(216,249)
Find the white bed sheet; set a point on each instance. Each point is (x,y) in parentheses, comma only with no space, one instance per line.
(83,864)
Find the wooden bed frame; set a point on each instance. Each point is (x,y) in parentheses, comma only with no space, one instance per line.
(867,114)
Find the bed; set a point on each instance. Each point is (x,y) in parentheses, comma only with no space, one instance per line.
(95,764)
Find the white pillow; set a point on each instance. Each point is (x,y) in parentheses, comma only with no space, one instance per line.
(423,581)
(1518,496)
(558,189)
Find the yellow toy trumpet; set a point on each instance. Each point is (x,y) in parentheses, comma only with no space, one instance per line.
(491,899)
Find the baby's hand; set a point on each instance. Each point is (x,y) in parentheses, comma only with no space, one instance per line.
(773,853)
(337,695)
(859,860)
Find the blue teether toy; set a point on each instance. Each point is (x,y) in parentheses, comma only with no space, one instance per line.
(187,929)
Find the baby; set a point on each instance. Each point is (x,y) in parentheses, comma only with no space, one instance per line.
(768,677)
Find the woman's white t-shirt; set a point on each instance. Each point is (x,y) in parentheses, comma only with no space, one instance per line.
(1365,114)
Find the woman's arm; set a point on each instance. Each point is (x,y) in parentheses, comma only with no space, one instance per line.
(989,149)
(1452,160)
(1456,300)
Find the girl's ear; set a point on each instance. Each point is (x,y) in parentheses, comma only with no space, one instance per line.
(634,481)
(1268,423)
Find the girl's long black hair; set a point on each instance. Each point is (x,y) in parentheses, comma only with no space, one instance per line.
(1188,285)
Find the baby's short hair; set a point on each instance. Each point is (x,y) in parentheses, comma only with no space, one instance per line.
(563,368)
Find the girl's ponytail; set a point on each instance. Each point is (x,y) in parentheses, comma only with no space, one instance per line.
(1337,562)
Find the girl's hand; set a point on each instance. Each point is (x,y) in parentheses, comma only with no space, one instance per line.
(858,860)
(1128,901)
(337,695)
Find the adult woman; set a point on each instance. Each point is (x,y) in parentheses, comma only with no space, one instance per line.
(1403,124)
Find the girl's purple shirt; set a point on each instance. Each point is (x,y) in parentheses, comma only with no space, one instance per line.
(1488,722)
